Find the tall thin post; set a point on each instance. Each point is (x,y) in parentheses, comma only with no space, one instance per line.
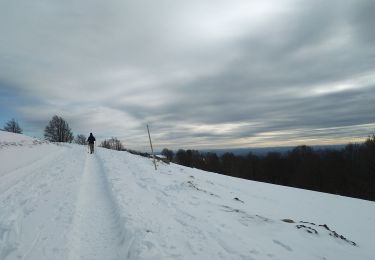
(152,149)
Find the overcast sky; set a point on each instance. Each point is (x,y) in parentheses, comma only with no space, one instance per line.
(201,73)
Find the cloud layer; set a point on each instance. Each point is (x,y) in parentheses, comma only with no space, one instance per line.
(201,73)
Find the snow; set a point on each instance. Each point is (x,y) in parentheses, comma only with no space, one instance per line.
(59,202)
(8,137)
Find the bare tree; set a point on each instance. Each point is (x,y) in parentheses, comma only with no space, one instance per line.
(58,130)
(168,153)
(113,144)
(81,139)
(13,126)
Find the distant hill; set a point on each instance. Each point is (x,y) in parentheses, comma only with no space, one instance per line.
(265,150)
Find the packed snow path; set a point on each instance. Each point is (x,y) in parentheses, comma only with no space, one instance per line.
(96,233)
(58,202)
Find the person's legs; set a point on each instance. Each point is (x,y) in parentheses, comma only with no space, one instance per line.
(91,148)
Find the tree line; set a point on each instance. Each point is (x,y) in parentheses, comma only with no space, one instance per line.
(348,172)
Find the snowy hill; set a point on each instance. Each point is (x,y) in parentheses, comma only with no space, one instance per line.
(59,202)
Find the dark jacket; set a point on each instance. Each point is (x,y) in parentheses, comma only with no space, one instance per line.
(91,139)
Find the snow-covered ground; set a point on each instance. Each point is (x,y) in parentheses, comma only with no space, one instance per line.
(59,202)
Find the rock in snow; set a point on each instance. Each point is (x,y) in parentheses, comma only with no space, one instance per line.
(59,202)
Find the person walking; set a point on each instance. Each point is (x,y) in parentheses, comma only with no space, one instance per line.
(91,140)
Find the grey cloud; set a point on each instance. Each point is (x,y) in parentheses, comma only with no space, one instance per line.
(363,20)
(143,62)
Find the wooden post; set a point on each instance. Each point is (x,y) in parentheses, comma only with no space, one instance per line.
(152,149)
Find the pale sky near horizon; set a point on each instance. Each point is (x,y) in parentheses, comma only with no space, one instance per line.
(201,73)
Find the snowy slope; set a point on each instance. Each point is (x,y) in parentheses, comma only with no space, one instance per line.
(58,202)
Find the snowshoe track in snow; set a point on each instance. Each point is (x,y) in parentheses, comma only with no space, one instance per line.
(96,231)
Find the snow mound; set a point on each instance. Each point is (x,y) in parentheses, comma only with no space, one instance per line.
(11,139)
